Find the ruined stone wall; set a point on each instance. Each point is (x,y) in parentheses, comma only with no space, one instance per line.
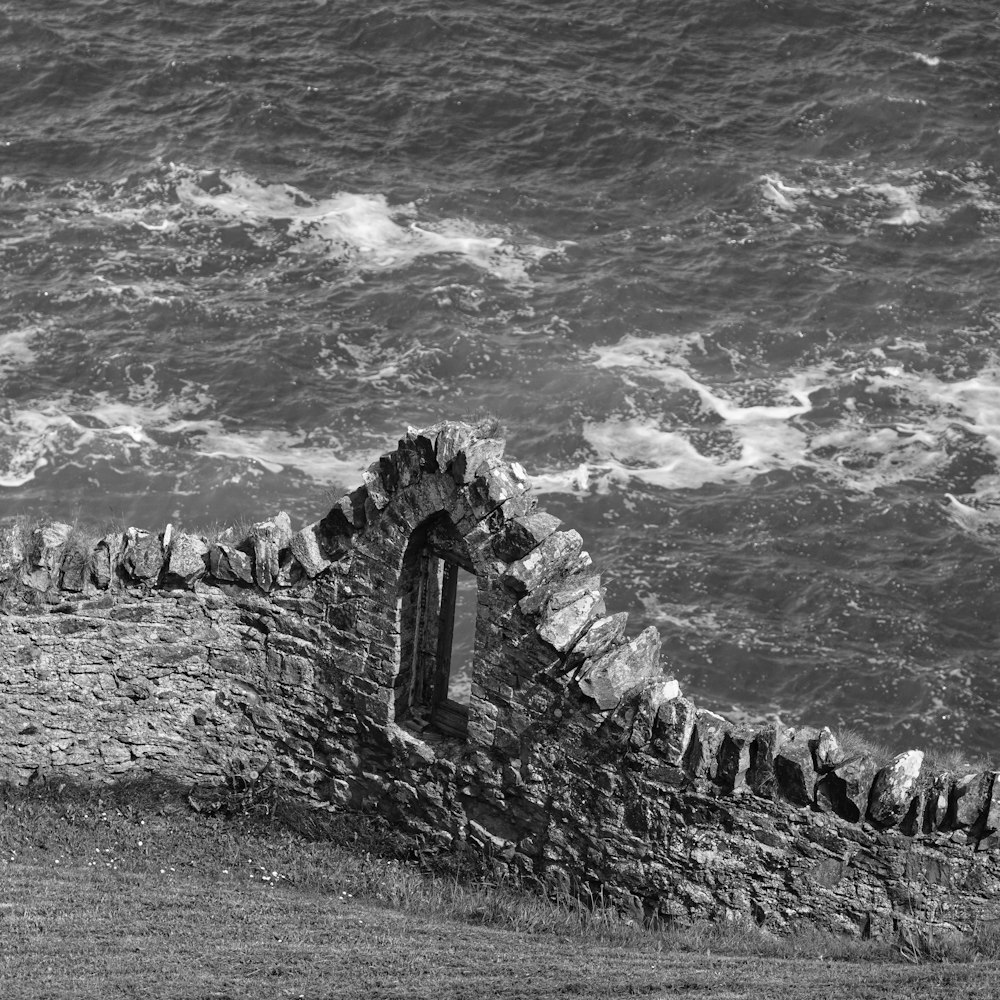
(580,762)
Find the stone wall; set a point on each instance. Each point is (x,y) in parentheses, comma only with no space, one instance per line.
(317,654)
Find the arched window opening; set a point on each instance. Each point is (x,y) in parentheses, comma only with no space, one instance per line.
(437,616)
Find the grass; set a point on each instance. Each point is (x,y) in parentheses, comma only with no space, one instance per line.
(146,891)
(485,424)
(935,762)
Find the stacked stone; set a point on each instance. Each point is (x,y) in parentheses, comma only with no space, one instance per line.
(809,769)
(541,625)
(56,557)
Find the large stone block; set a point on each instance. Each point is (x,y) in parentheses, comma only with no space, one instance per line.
(938,798)
(911,822)
(553,556)
(74,571)
(460,449)
(465,465)
(229,564)
(495,483)
(672,730)
(601,635)
(827,752)
(845,787)
(522,534)
(569,610)
(763,747)
(794,767)
(419,445)
(187,559)
(406,467)
(608,677)
(307,547)
(106,560)
(347,515)
(631,722)
(970,800)
(450,440)
(733,760)
(13,550)
(653,694)
(892,787)
(143,556)
(702,758)
(378,491)
(269,539)
(40,569)
(989,823)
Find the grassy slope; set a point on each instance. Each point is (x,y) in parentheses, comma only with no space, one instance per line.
(121,898)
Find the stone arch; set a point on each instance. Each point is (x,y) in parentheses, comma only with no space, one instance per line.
(541,637)
(436,497)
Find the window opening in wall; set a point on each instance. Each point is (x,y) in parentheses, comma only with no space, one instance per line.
(437,620)
(463,640)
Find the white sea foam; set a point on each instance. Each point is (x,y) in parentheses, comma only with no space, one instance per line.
(146,292)
(905,204)
(858,449)
(359,228)
(886,202)
(786,196)
(926,59)
(277,451)
(15,348)
(144,434)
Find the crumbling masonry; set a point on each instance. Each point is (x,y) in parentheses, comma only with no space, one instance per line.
(325,655)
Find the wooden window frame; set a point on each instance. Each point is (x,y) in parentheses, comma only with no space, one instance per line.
(427,632)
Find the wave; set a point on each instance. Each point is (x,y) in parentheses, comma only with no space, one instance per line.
(100,431)
(865,427)
(879,203)
(222,210)
(16,351)
(361,228)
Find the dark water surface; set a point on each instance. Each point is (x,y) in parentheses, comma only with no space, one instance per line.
(728,272)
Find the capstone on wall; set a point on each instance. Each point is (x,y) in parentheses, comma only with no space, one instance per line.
(323,654)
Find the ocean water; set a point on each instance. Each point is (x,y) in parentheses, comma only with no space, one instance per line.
(727,272)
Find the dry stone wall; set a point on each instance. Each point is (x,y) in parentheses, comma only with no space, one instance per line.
(576,760)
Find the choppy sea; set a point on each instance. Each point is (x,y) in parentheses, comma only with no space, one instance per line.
(727,271)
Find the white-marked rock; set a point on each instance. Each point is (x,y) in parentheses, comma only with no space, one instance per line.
(307,549)
(228,564)
(143,556)
(567,613)
(608,677)
(543,563)
(269,539)
(890,791)
(187,560)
